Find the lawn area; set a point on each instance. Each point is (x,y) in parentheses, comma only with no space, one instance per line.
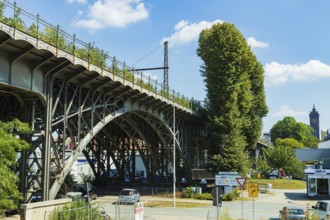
(281,183)
(276,184)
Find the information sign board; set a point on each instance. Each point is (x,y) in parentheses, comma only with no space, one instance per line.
(225,179)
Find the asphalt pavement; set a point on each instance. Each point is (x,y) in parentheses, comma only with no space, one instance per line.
(265,206)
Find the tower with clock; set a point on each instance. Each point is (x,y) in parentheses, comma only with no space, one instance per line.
(314,122)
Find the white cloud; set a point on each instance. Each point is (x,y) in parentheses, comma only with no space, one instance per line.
(78,1)
(186,33)
(277,73)
(285,110)
(113,13)
(254,43)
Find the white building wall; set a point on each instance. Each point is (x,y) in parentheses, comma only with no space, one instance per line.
(324,145)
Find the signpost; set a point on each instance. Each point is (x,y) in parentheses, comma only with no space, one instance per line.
(253,192)
(217,198)
(88,188)
(223,180)
(241,182)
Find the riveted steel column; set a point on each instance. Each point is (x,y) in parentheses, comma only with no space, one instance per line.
(46,150)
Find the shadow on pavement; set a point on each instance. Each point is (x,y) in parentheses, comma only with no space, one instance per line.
(296,196)
(302,196)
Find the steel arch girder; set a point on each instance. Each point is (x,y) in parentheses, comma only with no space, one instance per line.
(133,139)
(153,120)
(69,163)
(153,127)
(162,122)
(140,134)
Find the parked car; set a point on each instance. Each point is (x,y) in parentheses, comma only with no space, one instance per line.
(322,209)
(128,196)
(292,213)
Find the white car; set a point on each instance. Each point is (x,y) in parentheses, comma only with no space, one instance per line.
(322,209)
(129,196)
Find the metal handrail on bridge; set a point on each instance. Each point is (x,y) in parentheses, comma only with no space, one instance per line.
(40,29)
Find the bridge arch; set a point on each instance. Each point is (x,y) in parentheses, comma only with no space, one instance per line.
(127,121)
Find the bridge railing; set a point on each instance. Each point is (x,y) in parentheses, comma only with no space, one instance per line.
(16,17)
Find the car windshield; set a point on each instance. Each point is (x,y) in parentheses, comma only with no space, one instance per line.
(296,211)
(126,193)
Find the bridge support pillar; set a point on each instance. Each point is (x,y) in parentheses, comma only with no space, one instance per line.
(46,150)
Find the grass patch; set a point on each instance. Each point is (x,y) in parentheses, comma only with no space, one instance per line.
(170,204)
(281,183)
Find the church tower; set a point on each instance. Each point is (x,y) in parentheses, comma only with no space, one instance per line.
(314,122)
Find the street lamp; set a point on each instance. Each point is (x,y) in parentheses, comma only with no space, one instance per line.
(174,179)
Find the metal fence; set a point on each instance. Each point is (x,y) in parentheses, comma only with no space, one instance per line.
(125,211)
(88,212)
(157,191)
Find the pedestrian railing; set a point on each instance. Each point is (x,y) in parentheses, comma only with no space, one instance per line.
(129,211)
(88,212)
(64,44)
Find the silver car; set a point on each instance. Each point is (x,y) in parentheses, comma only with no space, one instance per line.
(129,196)
(293,213)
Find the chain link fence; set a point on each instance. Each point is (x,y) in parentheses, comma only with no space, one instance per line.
(129,211)
(87,212)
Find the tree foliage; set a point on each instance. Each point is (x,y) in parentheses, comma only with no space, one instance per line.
(295,168)
(263,167)
(12,135)
(290,128)
(289,142)
(235,94)
(282,155)
(279,156)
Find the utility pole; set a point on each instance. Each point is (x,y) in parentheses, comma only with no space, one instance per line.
(166,66)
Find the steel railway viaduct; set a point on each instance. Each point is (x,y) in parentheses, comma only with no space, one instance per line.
(74,107)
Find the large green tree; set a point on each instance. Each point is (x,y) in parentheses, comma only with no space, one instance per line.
(235,95)
(290,128)
(11,140)
(282,155)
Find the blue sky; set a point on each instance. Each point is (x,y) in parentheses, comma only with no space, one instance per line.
(291,38)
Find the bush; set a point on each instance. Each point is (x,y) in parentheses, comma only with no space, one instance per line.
(75,210)
(230,196)
(203,196)
(188,193)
